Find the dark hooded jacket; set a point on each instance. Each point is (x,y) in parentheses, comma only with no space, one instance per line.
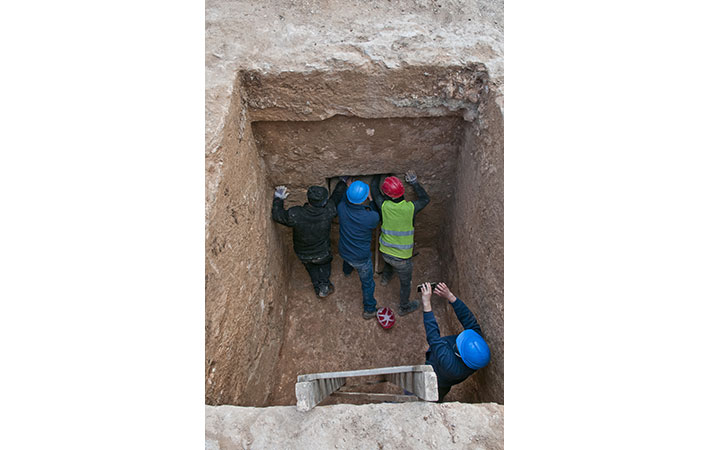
(311,225)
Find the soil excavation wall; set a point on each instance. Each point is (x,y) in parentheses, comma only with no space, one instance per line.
(472,256)
(301,154)
(246,280)
(299,129)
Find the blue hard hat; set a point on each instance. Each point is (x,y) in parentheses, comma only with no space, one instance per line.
(357,192)
(473,349)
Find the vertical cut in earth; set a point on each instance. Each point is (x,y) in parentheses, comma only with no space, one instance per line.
(264,325)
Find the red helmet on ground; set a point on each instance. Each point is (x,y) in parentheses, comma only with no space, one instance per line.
(385,317)
(393,187)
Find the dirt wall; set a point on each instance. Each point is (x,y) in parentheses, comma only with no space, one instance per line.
(300,154)
(473,252)
(246,274)
(274,136)
(371,92)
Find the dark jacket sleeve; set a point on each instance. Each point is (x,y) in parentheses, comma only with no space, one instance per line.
(422,197)
(431,327)
(466,317)
(338,193)
(279,214)
(437,345)
(377,196)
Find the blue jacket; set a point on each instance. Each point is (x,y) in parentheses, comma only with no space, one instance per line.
(449,368)
(356,225)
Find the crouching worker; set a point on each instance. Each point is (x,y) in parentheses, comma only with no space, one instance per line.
(311,230)
(454,358)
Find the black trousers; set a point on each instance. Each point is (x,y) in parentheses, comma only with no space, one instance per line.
(319,270)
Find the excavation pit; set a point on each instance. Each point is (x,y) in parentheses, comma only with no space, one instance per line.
(264,324)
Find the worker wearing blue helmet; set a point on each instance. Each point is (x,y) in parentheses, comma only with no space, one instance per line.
(454,358)
(357,220)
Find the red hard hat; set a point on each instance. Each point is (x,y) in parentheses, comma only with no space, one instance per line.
(385,317)
(393,187)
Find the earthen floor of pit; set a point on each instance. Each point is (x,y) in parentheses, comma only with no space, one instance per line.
(329,334)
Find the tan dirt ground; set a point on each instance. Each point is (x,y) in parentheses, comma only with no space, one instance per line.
(327,335)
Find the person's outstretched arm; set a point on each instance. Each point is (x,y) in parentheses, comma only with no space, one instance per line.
(430,325)
(278,213)
(339,191)
(375,193)
(422,197)
(437,345)
(465,316)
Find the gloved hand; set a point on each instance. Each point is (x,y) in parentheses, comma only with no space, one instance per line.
(281,192)
(410,177)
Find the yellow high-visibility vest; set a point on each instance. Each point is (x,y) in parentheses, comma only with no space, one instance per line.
(397,237)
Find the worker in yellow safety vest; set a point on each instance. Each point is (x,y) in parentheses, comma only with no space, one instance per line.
(397,232)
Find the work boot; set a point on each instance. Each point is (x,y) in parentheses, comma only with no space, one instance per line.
(324,292)
(408,308)
(369,315)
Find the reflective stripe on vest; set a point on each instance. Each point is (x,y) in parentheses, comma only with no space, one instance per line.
(397,238)
(388,244)
(398,233)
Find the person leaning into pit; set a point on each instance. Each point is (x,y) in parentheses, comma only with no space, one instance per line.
(457,357)
(311,230)
(397,234)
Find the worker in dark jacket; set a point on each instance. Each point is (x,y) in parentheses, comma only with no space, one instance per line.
(311,230)
(454,358)
(397,235)
(357,220)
